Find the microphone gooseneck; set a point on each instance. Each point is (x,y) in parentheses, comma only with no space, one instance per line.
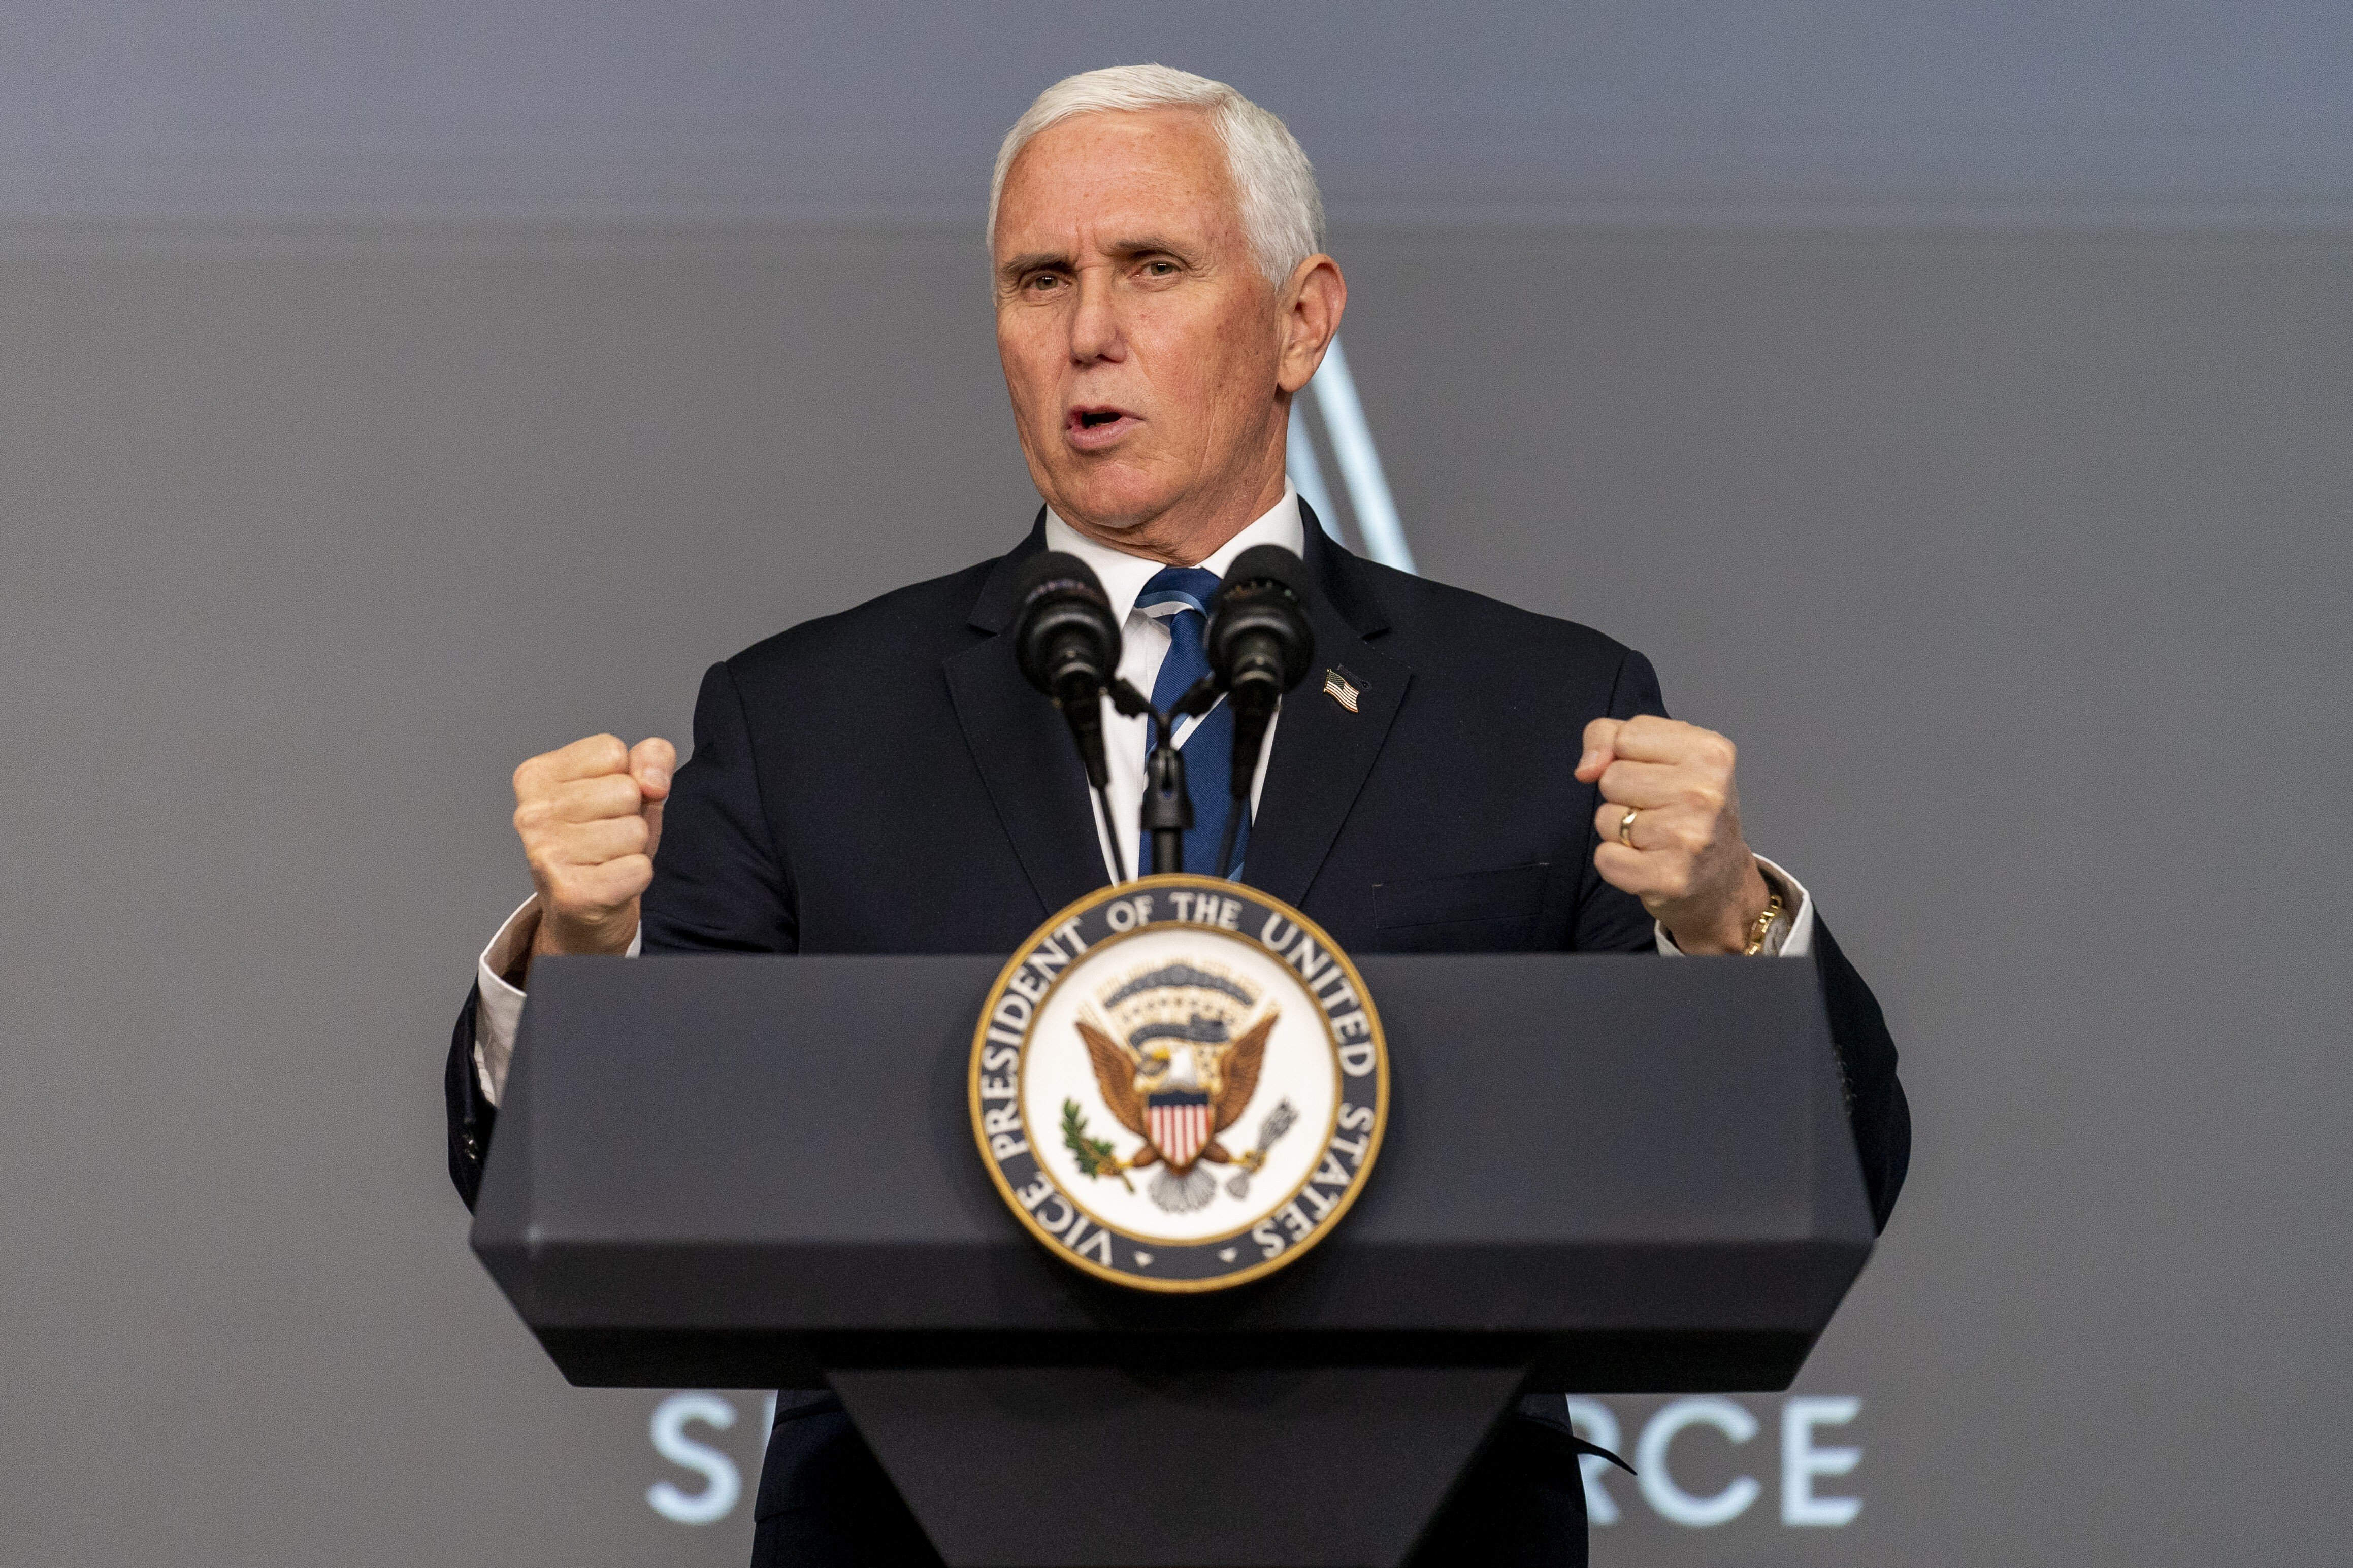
(1260,646)
(1066,644)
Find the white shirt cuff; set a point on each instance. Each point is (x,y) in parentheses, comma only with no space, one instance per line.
(1798,942)
(498,1012)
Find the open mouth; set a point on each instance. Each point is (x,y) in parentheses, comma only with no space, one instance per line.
(1093,427)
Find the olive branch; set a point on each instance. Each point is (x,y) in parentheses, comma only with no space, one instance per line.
(1094,1155)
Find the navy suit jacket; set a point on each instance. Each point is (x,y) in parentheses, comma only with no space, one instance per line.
(885,780)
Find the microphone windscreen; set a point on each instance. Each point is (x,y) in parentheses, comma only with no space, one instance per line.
(1261,613)
(1269,564)
(1062,630)
(1051,566)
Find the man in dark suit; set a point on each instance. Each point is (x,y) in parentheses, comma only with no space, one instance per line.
(1475,777)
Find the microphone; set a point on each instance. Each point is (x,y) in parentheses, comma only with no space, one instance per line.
(1067,644)
(1259,646)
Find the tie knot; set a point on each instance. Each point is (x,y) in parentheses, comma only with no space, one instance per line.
(1190,587)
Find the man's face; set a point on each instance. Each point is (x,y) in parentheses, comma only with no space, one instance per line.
(1141,343)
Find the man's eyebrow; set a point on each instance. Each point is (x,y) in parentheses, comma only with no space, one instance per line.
(1015,266)
(1145,244)
(1142,245)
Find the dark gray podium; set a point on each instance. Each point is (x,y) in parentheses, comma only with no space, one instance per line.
(1601,1174)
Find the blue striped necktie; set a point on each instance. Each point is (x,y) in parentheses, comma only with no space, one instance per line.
(1178,598)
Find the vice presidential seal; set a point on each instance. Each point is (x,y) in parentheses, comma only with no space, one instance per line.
(1179,1084)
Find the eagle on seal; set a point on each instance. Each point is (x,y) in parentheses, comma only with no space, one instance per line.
(1178,1090)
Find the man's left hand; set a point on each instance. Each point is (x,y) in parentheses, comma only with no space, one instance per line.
(1689,864)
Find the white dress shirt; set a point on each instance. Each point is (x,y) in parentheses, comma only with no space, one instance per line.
(1127,739)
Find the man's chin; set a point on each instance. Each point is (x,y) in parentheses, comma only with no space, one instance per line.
(1111,504)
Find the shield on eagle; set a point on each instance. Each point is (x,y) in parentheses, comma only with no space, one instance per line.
(1178,1122)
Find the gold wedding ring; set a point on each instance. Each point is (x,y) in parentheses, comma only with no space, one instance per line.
(1626,825)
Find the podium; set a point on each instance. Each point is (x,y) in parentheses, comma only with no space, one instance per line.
(1601,1174)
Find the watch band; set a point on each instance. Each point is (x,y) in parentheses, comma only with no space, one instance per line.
(1760,930)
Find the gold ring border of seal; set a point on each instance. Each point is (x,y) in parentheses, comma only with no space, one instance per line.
(1260,1271)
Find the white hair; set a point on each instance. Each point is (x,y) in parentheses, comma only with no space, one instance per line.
(1283,214)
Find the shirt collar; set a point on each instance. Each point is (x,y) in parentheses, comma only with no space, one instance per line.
(1123,575)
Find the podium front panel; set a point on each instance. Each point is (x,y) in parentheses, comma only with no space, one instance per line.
(1625,1171)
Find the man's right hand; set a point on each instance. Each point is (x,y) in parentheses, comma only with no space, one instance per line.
(590,818)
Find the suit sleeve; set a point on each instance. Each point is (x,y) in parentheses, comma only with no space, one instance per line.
(1610,920)
(471,1114)
(719,886)
(1876,1106)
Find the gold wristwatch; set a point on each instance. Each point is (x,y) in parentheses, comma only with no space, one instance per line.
(1761,929)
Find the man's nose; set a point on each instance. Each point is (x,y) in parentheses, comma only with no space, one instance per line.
(1095,332)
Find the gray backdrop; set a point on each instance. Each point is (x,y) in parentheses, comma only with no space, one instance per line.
(2015,555)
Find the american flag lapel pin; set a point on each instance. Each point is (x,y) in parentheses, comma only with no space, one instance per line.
(1341,688)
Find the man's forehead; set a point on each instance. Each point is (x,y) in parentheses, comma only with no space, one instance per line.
(1118,177)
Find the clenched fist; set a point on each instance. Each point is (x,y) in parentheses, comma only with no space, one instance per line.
(1687,862)
(590,817)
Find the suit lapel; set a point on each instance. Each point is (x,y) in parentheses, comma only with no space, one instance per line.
(1022,748)
(1323,753)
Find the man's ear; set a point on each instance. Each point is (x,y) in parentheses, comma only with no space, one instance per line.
(1312,303)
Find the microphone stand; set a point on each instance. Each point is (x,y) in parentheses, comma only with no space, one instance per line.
(1168,808)
(1250,740)
(1234,810)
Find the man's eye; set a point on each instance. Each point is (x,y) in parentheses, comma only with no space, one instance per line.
(1161,268)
